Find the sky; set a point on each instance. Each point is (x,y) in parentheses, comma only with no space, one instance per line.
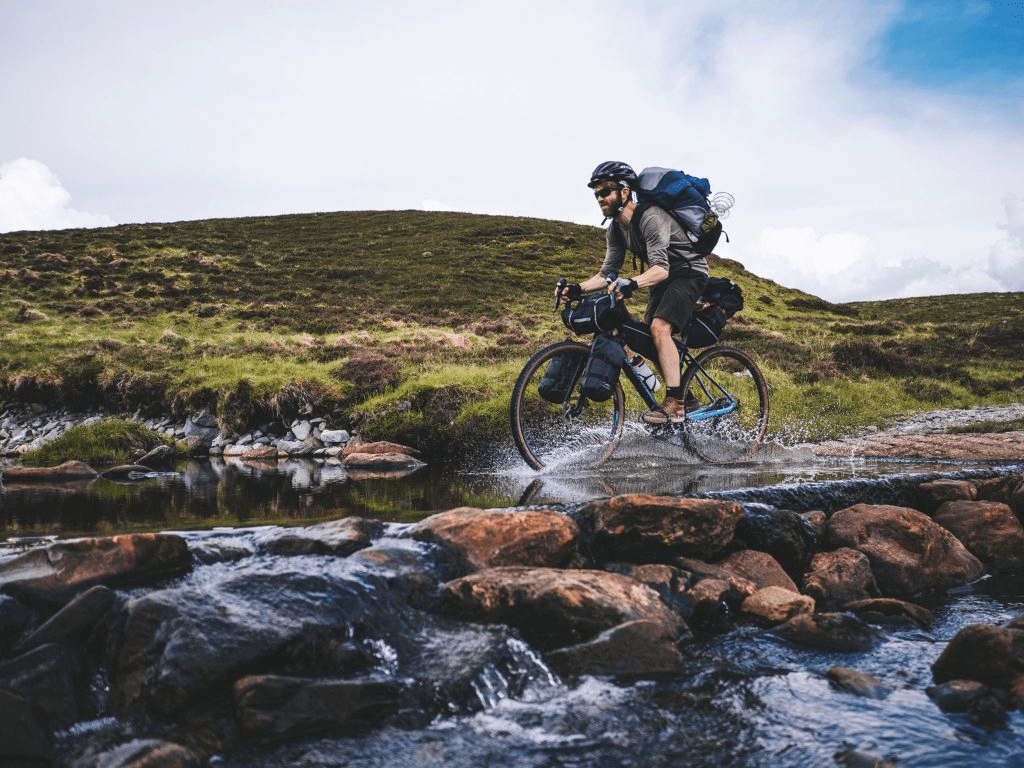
(874,147)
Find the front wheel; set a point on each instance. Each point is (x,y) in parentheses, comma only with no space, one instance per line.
(551,421)
(727,405)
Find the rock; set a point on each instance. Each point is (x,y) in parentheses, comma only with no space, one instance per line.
(828,632)
(785,535)
(633,649)
(14,617)
(383,462)
(58,571)
(738,587)
(382,446)
(148,753)
(295,448)
(72,620)
(643,528)
(857,682)
(483,539)
(335,436)
(983,652)
(909,552)
(301,430)
(851,758)
(336,537)
(760,567)
(68,471)
(931,495)
(840,576)
(284,707)
(959,695)
(161,457)
(126,472)
(24,740)
(555,608)
(52,678)
(887,610)
(774,605)
(988,529)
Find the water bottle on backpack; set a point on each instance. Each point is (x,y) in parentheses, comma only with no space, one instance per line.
(641,367)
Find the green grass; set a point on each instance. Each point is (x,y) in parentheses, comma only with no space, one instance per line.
(105,443)
(412,326)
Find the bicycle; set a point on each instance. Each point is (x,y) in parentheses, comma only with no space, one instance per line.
(727,402)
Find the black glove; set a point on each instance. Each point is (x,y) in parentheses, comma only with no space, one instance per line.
(573,292)
(626,288)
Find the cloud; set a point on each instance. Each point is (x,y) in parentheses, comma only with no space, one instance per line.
(1006,259)
(32,198)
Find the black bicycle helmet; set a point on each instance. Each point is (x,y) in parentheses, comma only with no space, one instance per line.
(612,170)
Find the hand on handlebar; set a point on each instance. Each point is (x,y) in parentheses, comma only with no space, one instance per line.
(622,286)
(566,292)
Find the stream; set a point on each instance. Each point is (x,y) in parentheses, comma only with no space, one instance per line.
(745,699)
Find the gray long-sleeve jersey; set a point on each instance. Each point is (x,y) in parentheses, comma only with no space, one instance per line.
(667,243)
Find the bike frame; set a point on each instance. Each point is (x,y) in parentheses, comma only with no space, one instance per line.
(722,403)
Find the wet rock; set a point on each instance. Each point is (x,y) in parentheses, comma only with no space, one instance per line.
(161,457)
(760,568)
(484,539)
(141,753)
(57,572)
(708,601)
(909,552)
(68,471)
(634,649)
(73,620)
(554,608)
(382,462)
(851,758)
(988,529)
(774,605)
(666,580)
(785,535)
(859,683)
(127,472)
(14,618)
(887,610)
(643,528)
(931,495)
(378,447)
(829,632)
(959,695)
(52,678)
(24,740)
(1000,489)
(738,587)
(336,537)
(839,577)
(285,707)
(983,652)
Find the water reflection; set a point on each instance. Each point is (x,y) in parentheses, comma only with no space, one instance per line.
(207,493)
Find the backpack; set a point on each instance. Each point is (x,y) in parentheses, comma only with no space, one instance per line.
(724,299)
(686,198)
(607,356)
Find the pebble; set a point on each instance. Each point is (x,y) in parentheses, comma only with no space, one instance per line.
(27,426)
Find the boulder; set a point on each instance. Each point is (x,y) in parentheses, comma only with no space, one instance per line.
(73,620)
(908,551)
(774,605)
(286,707)
(840,576)
(382,462)
(887,610)
(485,539)
(982,652)
(857,682)
(339,537)
(634,649)
(787,536)
(931,495)
(52,678)
(989,530)
(829,632)
(380,446)
(24,739)
(55,573)
(760,568)
(555,608)
(644,528)
(147,753)
(69,471)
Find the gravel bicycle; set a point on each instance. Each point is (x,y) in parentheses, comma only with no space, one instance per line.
(726,402)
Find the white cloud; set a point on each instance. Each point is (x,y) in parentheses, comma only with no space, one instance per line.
(1006,260)
(32,197)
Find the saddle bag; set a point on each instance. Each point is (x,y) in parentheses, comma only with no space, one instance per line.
(721,299)
(594,314)
(556,383)
(600,377)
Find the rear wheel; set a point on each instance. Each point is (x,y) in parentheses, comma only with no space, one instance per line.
(562,425)
(727,405)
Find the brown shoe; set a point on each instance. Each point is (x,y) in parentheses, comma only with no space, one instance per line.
(670,412)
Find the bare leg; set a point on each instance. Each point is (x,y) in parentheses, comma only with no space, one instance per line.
(668,353)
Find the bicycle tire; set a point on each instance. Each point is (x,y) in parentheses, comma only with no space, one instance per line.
(716,430)
(575,431)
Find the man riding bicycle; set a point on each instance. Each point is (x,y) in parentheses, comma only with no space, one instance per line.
(675,278)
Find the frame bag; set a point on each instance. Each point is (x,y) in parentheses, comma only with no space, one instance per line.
(601,376)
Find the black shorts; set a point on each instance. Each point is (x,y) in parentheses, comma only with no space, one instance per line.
(673,300)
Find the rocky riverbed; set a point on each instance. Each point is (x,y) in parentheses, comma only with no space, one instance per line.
(202,649)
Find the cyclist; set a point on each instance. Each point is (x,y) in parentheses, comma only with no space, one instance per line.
(675,278)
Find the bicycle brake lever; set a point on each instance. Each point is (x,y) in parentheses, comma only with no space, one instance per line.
(559,287)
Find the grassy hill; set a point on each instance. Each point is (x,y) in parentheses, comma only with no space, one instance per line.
(412,326)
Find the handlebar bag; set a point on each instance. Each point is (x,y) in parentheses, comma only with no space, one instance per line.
(559,377)
(595,313)
(600,377)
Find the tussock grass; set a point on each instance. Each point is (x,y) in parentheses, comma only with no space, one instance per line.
(102,444)
(412,326)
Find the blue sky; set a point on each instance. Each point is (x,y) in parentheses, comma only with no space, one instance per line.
(874,147)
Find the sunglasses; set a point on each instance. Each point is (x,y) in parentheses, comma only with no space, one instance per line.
(601,194)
